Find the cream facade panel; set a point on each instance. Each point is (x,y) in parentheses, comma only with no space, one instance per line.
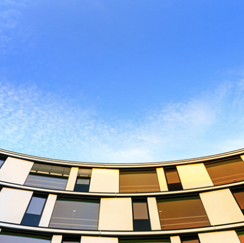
(194,176)
(104,180)
(115,214)
(90,239)
(221,207)
(153,213)
(56,239)
(15,170)
(175,239)
(219,237)
(72,179)
(162,179)
(48,210)
(13,204)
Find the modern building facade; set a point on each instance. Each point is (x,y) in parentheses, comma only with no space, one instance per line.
(197,200)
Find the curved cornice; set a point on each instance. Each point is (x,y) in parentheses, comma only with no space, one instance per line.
(122,165)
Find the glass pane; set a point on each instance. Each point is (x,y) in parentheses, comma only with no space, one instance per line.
(140,210)
(190,241)
(48,181)
(166,240)
(75,215)
(83,181)
(36,205)
(59,170)
(1,162)
(226,171)
(241,236)
(173,179)
(181,213)
(6,238)
(138,181)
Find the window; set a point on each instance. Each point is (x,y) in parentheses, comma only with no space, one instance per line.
(33,213)
(226,170)
(83,180)
(2,161)
(182,213)
(239,196)
(240,234)
(6,237)
(67,239)
(191,239)
(138,181)
(141,219)
(48,176)
(75,214)
(172,178)
(143,240)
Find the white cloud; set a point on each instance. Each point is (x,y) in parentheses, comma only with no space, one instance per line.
(44,124)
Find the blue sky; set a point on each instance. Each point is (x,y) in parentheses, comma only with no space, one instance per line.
(121,81)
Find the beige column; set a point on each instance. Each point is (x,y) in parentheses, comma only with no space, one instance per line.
(115,214)
(194,176)
(13,204)
(15,170)
(48,209)
(56,239)
(175,239)
(153,213)
(221,207)
(162,179)
(72,179)
(104,180)
(219,237)
(91,239)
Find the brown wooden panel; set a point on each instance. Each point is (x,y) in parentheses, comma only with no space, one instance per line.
(138,181)
(226,171)
(181,213)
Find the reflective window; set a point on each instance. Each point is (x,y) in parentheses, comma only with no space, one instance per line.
(33,213)
(239,196)
(1,161)
(181,213)
(226,170)
(240,234)
(141,219)
(48,176)
(161,240)
(83,180)
(71,239)
(172,178)
(19,238)
(138,181)
(75,214)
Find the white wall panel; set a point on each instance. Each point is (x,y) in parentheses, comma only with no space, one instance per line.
(219,237)
(194,176)
(162,179)
(72,179)
(47,211)
(175,239)
(15,170)
(115,214)
(13,204)
(56,239)
(221,207)
(104,180)
(90,239)
(153,213)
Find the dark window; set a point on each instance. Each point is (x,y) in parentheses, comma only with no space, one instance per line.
(172,178)
(240,234)
(33,213)
(239,196)
(141,221)
(2,161)
(48,176)
(182,213)
(83,180)
(21,238)
(75,214)
(68,239)
(226,171)
(191,239)
(138,181)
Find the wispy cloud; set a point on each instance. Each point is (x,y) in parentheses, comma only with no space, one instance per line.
(47,125)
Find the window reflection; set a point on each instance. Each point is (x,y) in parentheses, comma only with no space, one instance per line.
(75,214)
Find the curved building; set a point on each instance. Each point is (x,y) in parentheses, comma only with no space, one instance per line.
(197,200)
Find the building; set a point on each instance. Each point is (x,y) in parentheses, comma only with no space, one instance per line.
(186,201)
